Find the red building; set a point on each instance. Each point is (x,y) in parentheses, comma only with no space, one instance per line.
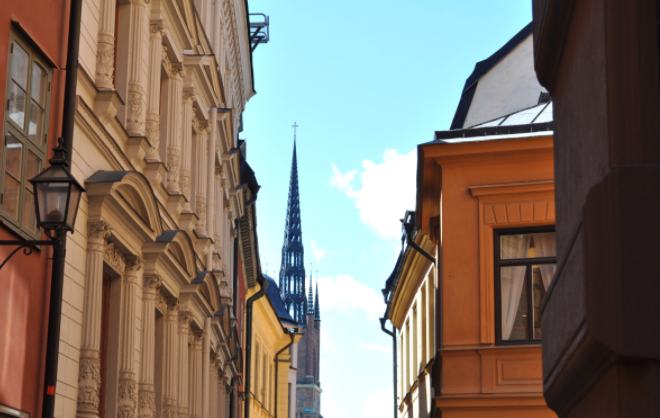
(600,61)
(33,45)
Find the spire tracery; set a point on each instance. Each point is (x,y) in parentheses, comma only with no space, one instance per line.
(292,270)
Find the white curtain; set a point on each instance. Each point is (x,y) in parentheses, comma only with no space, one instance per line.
(512,279)
(546,246)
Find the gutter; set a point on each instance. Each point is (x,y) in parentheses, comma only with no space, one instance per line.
(277,362)
(393,335)
(248,340)
(408,228)
(59,251)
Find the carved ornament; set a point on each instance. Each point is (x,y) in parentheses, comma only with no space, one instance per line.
(89,381)
(113,257)
(128,398)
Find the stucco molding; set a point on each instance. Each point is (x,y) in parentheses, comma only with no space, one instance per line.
(509,205)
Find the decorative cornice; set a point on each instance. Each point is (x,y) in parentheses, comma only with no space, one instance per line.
(98,232)
(132,265)
(189,95)
(114,258)
(184,320)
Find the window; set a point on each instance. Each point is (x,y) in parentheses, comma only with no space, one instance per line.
(525,262)
(256,372)
(415,344)
(24,133)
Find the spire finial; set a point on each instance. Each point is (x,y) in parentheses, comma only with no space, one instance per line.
(294,126)
(310,306)
(317,313)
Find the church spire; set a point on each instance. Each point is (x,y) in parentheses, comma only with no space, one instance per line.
(310,306)
(292,270)
(317,314)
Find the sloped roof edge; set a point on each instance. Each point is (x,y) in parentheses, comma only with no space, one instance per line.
(481,69)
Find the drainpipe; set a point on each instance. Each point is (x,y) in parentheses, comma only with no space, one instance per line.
(248,340)
(393,335)
(277,362)
(407,230)
(59,251)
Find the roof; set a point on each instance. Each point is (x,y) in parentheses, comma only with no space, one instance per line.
(481,69)
(273,293)
(533,121)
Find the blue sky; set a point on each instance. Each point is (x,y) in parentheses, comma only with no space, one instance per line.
(366,81)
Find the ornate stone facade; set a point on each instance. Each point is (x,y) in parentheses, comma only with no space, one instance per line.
(146,114)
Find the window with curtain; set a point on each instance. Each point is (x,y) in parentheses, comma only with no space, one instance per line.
(525,263)
(25,129)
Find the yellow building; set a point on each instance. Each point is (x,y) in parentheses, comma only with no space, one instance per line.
(411,309)
(274,335)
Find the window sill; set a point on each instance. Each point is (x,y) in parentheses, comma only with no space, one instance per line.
(18,233)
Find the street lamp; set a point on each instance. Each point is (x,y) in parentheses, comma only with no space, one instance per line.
(56,199)
(57,194)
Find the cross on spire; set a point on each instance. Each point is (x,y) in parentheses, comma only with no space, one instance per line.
(294,126)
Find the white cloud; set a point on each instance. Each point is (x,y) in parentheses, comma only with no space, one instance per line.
(347,295)
(376,347)
(386,190)
(318,252)
(379,403)
(326,343)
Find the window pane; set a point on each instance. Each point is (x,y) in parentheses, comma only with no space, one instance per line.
(14,156)
(36,129)
(513,290)
(19,67)
(29,214)
(541,279)
(33,167)
(12,193)
(39,84)
(17,104)
(528,245)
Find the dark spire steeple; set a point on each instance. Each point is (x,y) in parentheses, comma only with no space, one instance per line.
(292,270)
(310,306)
(317,314)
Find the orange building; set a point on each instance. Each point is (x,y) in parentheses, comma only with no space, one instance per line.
(485,217)
(33,50)
(487,202)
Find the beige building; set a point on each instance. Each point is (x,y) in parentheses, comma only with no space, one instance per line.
(411,309)
(152,318)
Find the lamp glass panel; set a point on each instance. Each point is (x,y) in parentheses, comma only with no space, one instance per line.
(74,200)
(52,203)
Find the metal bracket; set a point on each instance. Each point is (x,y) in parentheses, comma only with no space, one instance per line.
(27,246)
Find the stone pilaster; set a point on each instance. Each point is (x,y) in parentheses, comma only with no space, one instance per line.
(135,111)
(213,387)
(196,376)
(189,96)
(220,390)
(157,31)
(219,219)
(89,375)
(171,132)
(147,394)
(105,53)
(182,343)
(171,359)
(127,394)
(228,244)
(200,158)
(210,175)
(206,375)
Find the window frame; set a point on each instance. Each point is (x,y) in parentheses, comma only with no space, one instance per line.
(528,263)
(9,127)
